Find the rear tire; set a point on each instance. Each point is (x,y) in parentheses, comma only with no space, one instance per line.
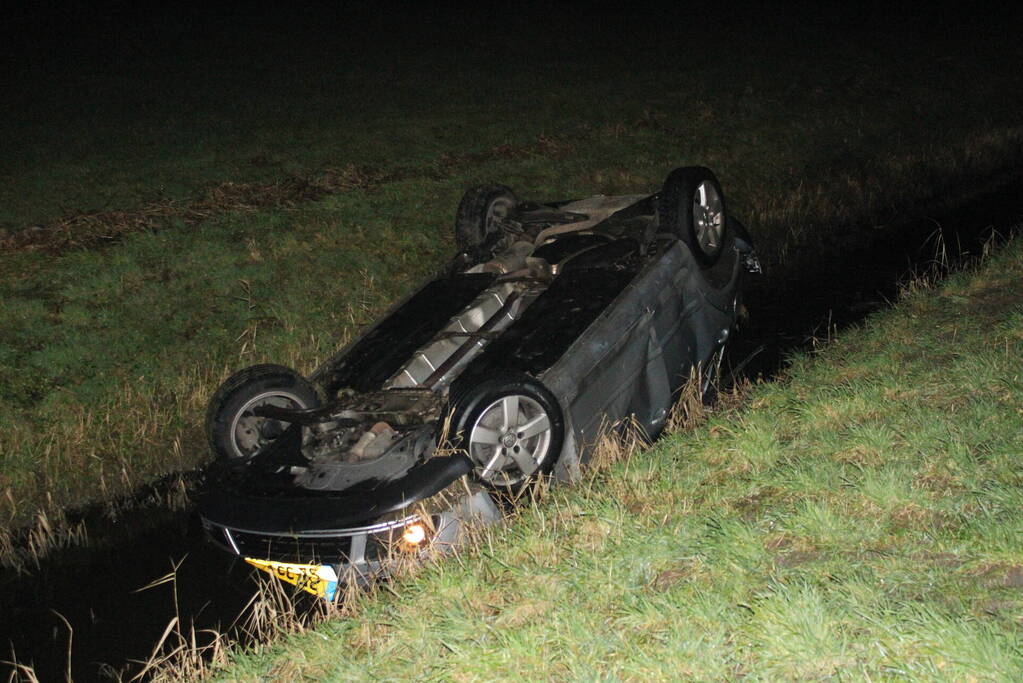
(233,431)
(692,207)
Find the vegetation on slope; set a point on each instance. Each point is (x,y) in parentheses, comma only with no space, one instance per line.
(859,517)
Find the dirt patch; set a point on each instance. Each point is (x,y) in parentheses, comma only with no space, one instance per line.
(938,481)
(544,146)
(997,608)
(96,228)
(665,580)
(91,228)
(749,507)
(1003,576)
(789,551)
(639,507)
(859,455)
(779,543)
(949,560)
(912,517)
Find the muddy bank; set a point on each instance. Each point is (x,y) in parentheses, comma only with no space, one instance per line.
(97,590)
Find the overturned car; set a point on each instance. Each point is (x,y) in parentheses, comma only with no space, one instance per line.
(552,320)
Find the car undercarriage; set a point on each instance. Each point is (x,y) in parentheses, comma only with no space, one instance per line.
(551,321)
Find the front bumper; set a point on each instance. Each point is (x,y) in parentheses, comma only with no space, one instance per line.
(354,554)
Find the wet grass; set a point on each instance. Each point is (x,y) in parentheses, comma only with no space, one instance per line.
(179,238)
(859,517)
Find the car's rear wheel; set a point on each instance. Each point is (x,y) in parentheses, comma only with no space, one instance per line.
(512,430)
(479,214)
(234,431)
(692,206)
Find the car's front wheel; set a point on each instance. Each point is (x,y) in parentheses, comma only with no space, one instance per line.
(512,430)
(233,429)
(479,214)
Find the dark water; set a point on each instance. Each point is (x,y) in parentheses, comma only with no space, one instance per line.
(96,592)
(792,305)
(112,623)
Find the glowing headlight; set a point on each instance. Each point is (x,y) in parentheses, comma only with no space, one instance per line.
(414,534)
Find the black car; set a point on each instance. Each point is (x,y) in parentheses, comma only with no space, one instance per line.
(551,320)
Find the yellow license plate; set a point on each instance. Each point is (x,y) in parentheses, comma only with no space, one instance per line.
(318,579)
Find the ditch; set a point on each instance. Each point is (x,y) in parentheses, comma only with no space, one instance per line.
(82,612)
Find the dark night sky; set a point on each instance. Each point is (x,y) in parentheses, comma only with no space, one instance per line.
(48,42)
(67,35)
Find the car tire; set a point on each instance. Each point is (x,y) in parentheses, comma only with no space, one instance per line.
(512,429)
(479,213)
(234,433)
(691,206)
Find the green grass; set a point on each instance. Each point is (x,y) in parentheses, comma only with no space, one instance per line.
(103,367)
(858,519)
(807,104)
(108,354)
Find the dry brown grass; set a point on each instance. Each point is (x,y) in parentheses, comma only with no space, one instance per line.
(188,653)
(81,461)
(20,673)
(921,182)
(275,610)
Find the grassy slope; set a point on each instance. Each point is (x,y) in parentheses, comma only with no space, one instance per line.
(861,517)
(107,355)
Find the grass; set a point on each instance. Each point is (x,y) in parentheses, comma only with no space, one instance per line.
(253,205)
(859,518)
